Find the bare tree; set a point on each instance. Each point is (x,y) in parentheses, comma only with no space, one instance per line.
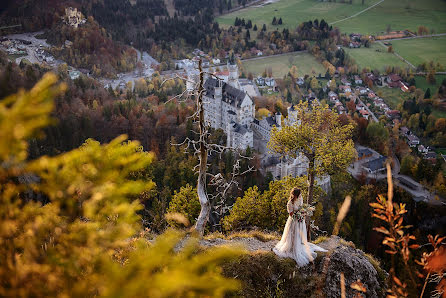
(204,149)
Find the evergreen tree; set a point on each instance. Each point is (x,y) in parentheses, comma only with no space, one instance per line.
(427,94)
(274,21)
(264,27)
(248,35)
(255,27)
(249,24)
(280,21)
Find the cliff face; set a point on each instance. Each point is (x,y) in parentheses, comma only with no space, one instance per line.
(263,274)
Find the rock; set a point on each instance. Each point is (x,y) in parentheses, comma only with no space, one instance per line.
(263,274)
(355,265)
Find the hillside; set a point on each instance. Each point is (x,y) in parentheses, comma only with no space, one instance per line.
(399,15)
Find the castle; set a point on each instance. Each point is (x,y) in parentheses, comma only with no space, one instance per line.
(229,107)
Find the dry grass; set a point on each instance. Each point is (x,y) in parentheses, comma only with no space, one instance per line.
(321,239)
(347,243)
(259,235)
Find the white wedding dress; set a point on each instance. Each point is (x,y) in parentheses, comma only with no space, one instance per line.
(294,242)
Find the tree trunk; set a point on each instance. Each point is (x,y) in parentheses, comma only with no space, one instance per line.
(203,157)
(310,191)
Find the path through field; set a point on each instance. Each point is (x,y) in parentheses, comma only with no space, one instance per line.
(398,55)
(358,13)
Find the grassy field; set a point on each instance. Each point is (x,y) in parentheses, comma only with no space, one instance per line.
(294,12)
(420,82)
(400,15)
(375,57)
(305,63)
(394,96)
(420,50)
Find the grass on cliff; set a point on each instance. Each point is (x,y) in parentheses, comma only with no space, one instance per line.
(263,274)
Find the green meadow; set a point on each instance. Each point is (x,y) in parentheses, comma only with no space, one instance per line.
(399,15)
(375,57)
(280,65)
(420,50)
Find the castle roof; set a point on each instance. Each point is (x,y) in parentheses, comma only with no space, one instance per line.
(230,95)
(241,129)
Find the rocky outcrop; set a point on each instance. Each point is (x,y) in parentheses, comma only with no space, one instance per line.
(263,274)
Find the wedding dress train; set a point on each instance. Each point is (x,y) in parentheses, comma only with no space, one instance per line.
(294,242)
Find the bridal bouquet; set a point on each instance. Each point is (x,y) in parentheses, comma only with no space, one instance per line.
(303,211)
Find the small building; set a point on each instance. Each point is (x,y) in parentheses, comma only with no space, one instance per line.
(332,96)
(404,131)
(345,89)
(358,80)
(376,166)
(423,149)
(346,82)
(300,81)
(413,140)
(431,156)
(393,114)
(364,114)
(407,183)
(364,153)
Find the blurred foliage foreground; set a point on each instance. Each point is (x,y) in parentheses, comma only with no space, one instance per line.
(84,241)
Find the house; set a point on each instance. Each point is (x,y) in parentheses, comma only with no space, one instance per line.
(365,114)
(300,81)
(354,44)
(216,61)
(355,36)
(423,149)
(260,81)
(364,153)
(360,107)
(358,80)
(376,166)
(393,114)
(74,74)
(431,156)
(270,82)
(346,82)
(332,96)
(393,78)
(345,89)
(371,95)
(362,90)
(407,183)
(413,140)
(404,131)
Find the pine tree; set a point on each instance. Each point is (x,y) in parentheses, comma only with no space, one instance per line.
(264,27)
(280,21)
(255,27)
(274,21)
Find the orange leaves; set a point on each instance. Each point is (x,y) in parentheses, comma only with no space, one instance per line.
(358,286)
(436,261)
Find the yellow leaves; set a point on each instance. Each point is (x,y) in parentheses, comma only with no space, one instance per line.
(317,133)
(23,114)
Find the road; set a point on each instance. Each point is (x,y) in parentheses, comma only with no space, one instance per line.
(420,193)
(398,55)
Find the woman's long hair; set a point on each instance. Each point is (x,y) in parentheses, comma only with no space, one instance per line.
(294,194)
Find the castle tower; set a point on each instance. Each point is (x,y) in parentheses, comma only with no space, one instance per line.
(233,76)
(218,98)
(192,79)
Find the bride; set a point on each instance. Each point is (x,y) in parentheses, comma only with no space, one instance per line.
(294,242)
